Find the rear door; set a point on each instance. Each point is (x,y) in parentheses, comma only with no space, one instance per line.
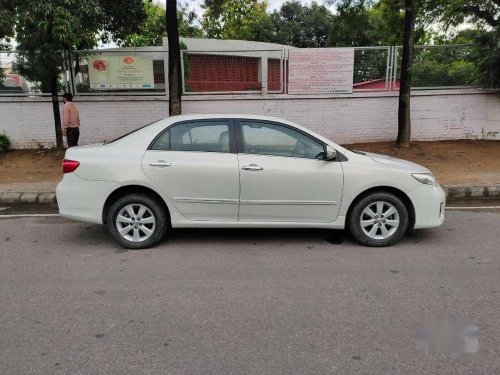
(284,176)
(195,164)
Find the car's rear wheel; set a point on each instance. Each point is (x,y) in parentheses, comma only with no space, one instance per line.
(379,219)
(137,221)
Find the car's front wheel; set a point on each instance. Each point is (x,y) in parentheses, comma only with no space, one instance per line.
(137,221)
(379,219)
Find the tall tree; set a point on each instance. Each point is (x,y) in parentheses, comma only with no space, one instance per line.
(237,19)
(6,23)
(302,25)
(45,28)
(152,29)
(174,60)
(404,120)
(351,25)
(372,23)
(485,16)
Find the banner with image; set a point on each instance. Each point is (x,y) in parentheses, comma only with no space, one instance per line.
(111,72)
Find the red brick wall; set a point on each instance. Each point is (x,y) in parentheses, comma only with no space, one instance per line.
(274,74)
(212,73)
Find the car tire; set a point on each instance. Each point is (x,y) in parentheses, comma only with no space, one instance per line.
(137,221)
(378,219)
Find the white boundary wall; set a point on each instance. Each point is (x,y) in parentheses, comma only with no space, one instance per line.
(367,117)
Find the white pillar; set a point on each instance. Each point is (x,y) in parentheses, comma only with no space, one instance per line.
(165,63)
(263,74)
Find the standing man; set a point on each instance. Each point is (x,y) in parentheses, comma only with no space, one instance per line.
(71,120)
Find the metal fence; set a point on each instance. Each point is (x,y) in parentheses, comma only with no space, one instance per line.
(372,68)
(226,72)
(233,72)
(443,66)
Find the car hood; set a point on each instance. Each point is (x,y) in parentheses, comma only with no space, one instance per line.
(395,162)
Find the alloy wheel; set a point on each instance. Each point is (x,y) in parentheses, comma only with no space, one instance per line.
(135,222)
(379,220)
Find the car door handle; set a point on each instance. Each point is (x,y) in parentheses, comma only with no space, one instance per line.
(252,167)
(160,163)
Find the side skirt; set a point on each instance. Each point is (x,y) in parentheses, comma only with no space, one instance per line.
(178,221)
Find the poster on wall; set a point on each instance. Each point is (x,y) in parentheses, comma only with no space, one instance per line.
(321,70)
(110,72)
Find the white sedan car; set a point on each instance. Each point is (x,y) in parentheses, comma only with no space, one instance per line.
(227,171)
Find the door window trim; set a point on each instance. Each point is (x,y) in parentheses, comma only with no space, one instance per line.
(230,124)
(241,148)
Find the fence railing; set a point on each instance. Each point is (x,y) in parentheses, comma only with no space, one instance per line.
(443,66)
(233,72)
(143,71)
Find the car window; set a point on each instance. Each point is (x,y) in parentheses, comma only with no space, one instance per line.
(271,139)
(204,136)
(162,143)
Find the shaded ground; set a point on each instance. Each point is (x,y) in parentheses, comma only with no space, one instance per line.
(460,162)
(454,162)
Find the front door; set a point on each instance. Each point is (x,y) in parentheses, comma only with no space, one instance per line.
(284,176)
(196,166)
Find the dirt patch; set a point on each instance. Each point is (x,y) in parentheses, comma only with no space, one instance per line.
(25,166)
(460,162)
(453,162)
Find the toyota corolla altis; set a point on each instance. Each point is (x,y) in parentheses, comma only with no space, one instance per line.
(228,171)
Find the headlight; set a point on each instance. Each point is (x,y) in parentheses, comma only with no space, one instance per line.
(425,178)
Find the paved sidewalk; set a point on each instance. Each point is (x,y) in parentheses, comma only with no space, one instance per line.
(466,169)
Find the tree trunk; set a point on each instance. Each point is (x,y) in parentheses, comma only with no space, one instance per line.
(404,122)
(55,109)
(174,60)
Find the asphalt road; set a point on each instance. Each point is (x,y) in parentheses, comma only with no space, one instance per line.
(243,301)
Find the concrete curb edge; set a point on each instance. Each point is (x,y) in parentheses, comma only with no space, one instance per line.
(27,197)
(452,192)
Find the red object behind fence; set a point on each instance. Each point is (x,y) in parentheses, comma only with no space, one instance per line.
(213,73)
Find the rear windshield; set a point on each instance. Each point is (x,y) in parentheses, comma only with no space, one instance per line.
(127,134)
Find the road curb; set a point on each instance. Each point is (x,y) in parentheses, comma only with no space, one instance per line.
(452,192)
(472,192)
(27,197)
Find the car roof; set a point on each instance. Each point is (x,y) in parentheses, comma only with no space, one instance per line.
(225,115)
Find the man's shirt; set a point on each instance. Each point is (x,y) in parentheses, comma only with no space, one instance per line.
(71,116)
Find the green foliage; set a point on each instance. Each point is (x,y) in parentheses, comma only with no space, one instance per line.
(484,16)
(43,27)
(7,16)
(4,142)
(153,28)
(456,12)
(452,66)
(302,26)
(237,19)
(351,26)
(371,23)
(83,87)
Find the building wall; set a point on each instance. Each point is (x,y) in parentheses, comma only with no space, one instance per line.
(358,118)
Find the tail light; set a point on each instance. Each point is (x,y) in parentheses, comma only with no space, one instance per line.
(69,166)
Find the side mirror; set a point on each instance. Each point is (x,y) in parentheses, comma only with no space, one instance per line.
(331,153)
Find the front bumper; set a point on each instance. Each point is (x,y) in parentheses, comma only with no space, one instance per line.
(429,203)
(81,199)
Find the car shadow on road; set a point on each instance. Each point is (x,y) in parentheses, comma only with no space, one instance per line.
(251,235)
(88,234)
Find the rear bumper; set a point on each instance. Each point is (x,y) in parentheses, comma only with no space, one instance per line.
(83,200)
(429,203)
